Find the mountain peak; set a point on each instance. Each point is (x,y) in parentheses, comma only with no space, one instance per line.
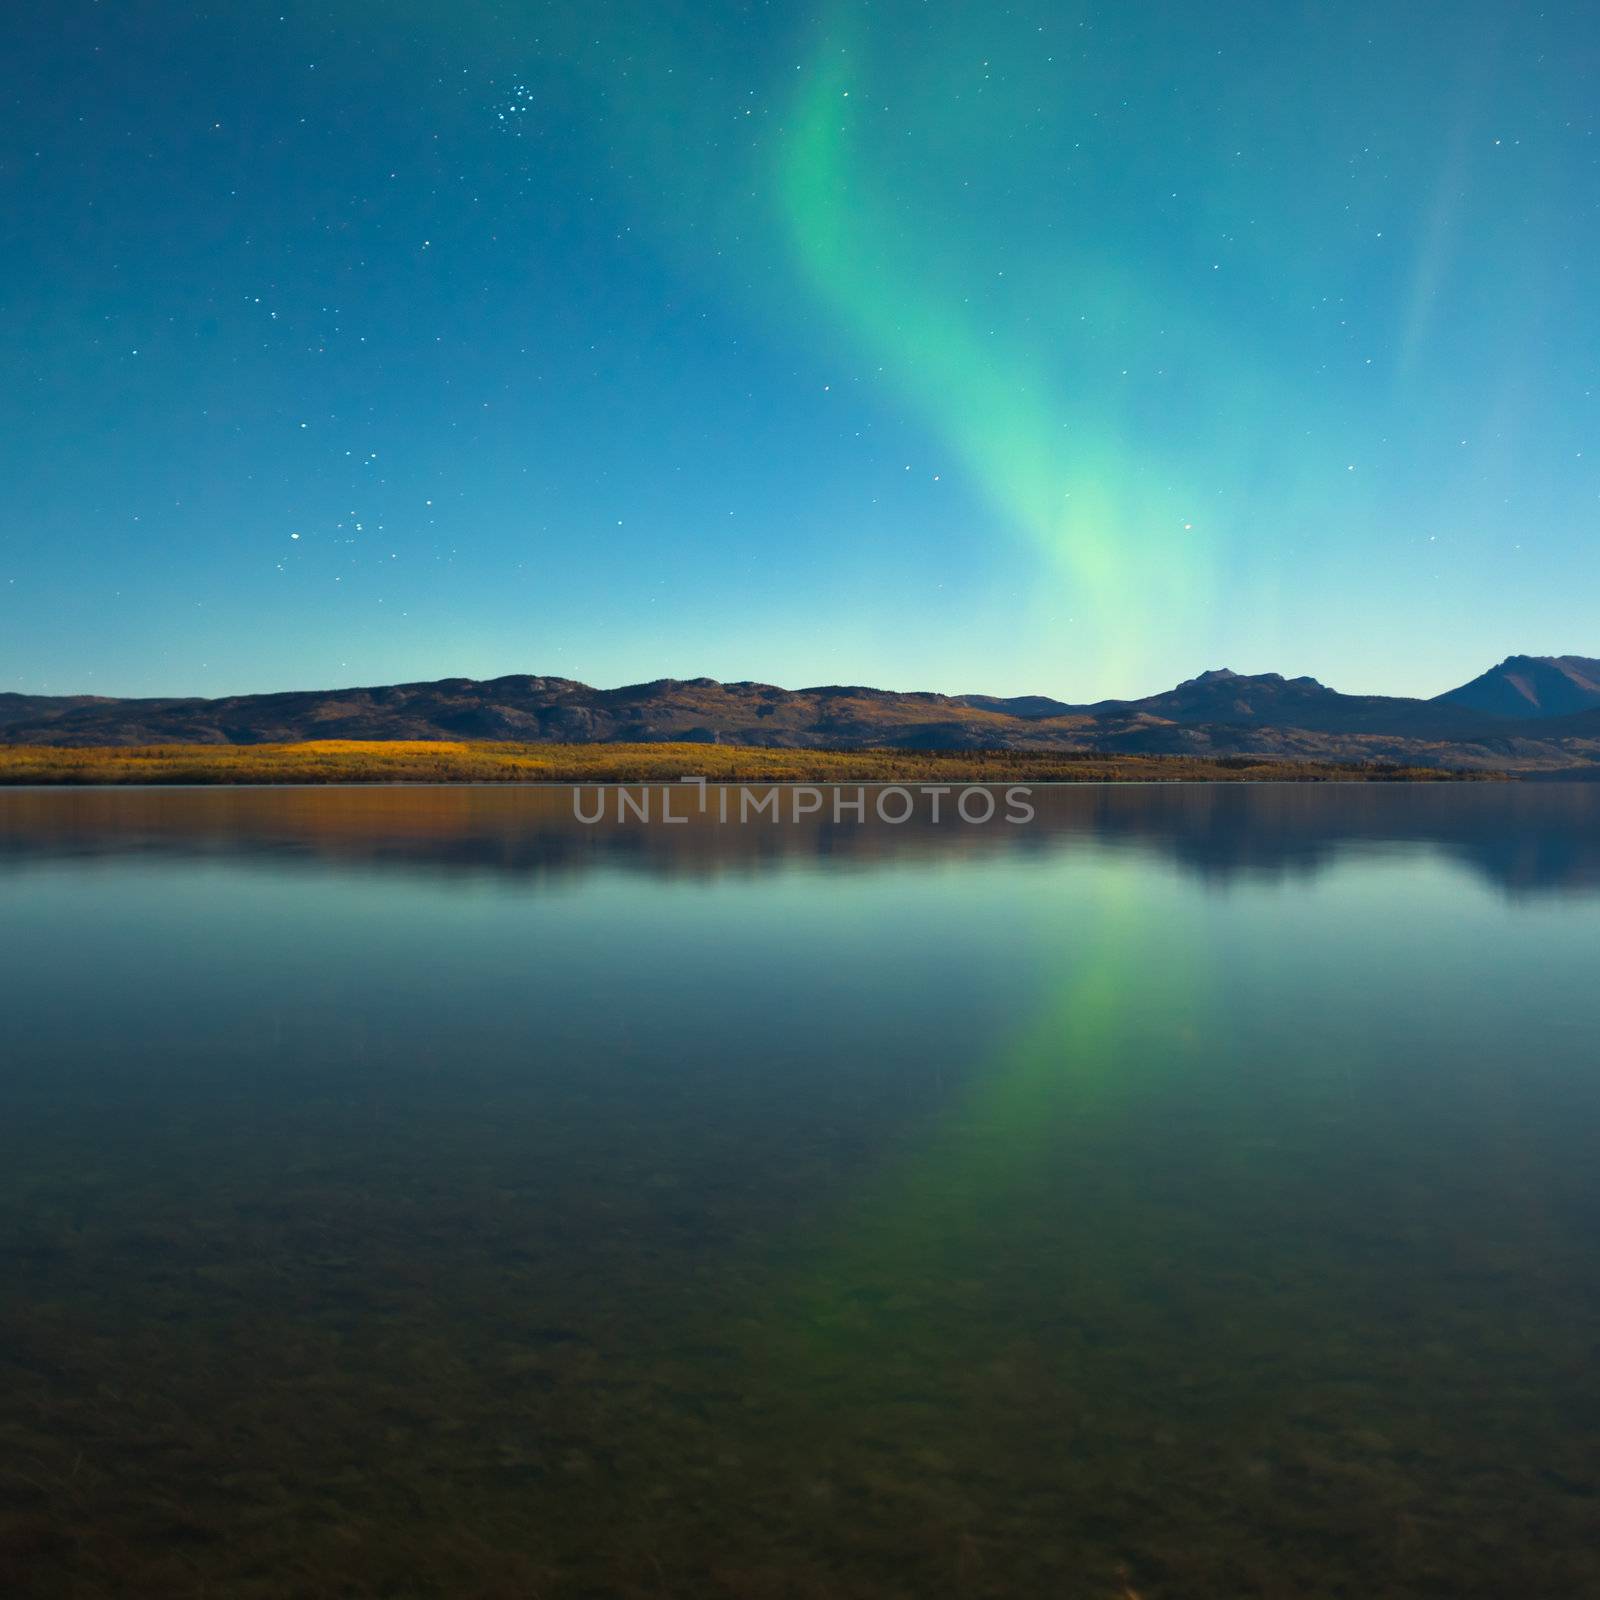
(1228,675)
(1532,686)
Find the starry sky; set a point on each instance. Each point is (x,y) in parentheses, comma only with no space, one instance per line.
(1028,348)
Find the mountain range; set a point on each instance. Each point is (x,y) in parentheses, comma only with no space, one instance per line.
(1529,713)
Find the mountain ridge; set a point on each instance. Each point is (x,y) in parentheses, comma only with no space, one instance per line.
(1218,712)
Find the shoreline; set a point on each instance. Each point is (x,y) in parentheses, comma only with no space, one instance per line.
(432,763)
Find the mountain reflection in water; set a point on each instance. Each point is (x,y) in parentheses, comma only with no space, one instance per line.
(1527,838)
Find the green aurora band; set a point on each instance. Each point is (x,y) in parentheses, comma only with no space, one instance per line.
(1073,488)
(1065,377)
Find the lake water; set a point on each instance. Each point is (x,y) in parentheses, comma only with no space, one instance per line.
(416,1192)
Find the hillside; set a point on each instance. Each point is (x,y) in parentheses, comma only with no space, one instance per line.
(1217,714)
(1531,686)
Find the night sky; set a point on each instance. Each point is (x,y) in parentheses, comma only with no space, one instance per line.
(1027,348)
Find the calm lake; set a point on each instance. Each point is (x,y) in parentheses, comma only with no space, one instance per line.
(1192,1193)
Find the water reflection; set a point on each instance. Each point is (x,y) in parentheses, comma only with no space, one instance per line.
(788,1211)
(1526,838)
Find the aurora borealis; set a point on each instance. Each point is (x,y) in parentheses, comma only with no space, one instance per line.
(1051,349)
